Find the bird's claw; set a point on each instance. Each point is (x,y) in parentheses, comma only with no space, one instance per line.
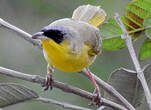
(48,83)
(96,100)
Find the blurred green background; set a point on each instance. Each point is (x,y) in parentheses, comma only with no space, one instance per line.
(18,54)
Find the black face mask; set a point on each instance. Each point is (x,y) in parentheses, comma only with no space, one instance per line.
(54,34)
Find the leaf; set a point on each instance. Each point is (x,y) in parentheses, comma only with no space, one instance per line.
(138,15)
(111,32)
(126,83)
(147,24)
(13,93)
(113,43)
(144,105)
(110,29)
(145,50)
(135,13)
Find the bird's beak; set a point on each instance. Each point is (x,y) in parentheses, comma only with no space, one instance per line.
(38,35)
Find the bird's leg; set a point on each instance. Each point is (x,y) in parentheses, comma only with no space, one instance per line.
(96,94)
(49,80)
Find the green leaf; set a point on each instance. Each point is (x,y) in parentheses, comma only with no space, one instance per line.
(13,93)
(113,43)
(135,12)
(111,32)
(147,24)
(110,29)
(137,16)
(145,50)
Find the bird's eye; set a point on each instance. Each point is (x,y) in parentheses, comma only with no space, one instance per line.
(54,34)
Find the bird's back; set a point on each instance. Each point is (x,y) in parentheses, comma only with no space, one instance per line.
(81,33)
(81,44)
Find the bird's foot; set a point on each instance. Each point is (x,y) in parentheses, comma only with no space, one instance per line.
(96,100)
(48,83)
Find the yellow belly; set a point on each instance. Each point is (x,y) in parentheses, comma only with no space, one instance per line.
(60,56)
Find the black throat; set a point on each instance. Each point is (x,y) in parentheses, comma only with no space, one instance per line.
(55,35)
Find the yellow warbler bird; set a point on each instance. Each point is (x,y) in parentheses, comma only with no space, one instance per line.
(72,44)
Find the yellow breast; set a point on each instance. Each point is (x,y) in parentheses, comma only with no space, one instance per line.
(62,58)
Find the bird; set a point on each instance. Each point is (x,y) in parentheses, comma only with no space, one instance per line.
(72,44)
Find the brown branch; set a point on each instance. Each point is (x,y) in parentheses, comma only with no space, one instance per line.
(128,40)
(57,84)
(62,104)
(100,82)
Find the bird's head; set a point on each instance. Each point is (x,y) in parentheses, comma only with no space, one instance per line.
(55,33)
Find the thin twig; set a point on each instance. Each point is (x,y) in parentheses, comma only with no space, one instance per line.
(57,84)
(22,33)
(108,88)
(62,104)
(101,108)
(100,82)
(140,74)
(129,32)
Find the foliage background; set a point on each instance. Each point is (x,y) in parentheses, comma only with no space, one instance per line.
(17,54)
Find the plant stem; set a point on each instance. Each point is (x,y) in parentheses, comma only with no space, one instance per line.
(140,74)
(62,104)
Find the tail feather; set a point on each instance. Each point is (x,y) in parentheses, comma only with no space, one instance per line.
(93,15)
